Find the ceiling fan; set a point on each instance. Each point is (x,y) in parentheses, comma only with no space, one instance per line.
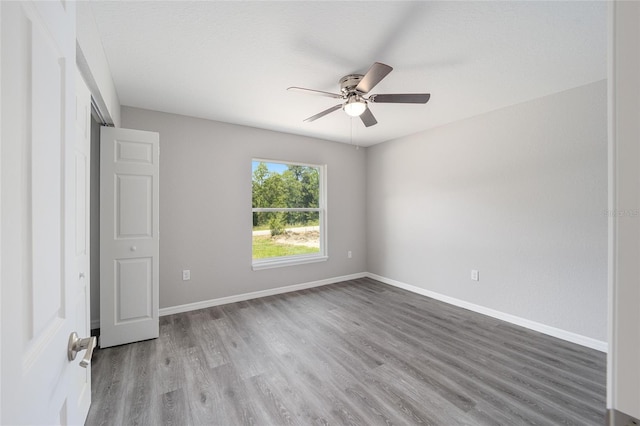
(354,87)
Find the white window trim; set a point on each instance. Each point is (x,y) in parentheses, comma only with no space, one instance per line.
(278,262)
(300,259)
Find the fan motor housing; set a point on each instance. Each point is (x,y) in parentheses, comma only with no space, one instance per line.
(349,82)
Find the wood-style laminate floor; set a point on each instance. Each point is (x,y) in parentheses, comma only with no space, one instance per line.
(358,353)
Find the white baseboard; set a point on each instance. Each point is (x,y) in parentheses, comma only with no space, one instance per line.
(532,325)
(523,322)
(256,294)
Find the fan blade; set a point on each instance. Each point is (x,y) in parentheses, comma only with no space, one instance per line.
(367,118)
(315,92)
(323,113)
(374,76)
(405,98)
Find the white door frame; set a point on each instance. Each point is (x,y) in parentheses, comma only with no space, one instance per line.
(1,284)
(82,242)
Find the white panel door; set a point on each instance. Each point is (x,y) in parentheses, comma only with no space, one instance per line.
(42,295)
(129,245)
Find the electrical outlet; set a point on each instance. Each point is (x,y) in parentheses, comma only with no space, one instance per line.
(349,254)
(475,275)
(186,274)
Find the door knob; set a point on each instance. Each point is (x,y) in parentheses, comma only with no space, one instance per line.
(76,345)
(134,248)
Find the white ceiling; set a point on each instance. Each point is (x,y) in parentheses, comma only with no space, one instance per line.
(232,61)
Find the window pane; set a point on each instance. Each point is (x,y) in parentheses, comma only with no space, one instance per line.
(285,185)
(285,234)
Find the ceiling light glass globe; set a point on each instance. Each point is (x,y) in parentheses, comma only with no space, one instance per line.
(355,106)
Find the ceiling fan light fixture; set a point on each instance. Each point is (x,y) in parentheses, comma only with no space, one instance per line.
(354,88)
(355,106)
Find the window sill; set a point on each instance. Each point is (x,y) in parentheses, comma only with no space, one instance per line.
(289,261)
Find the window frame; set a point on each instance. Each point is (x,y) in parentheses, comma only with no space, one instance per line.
(298,259)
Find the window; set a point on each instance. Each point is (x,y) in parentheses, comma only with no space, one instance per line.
(288,205)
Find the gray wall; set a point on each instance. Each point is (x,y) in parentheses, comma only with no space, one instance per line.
(205,205)
(623,384)
(519,194)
